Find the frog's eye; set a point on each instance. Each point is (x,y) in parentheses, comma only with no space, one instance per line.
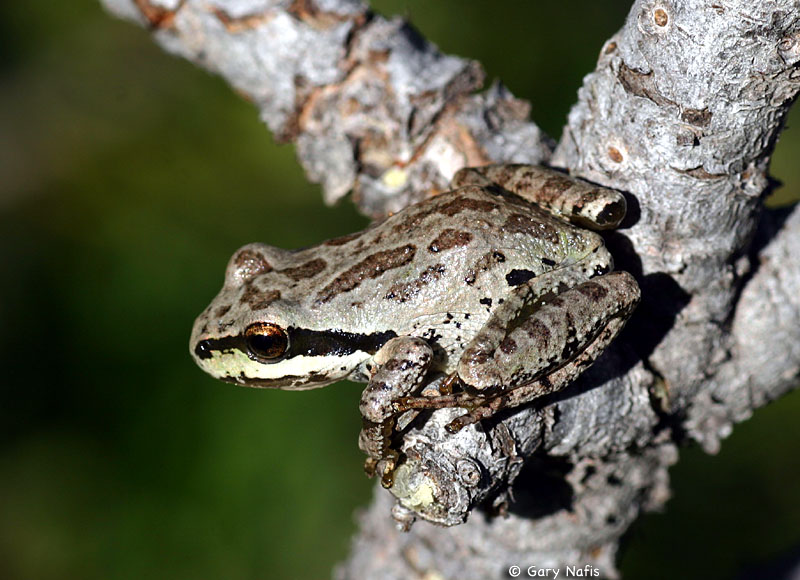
(265,341)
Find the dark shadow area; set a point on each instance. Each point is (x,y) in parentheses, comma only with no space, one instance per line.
(662,298)
(634,212)
(541,489)
(414,37)
(770,223)
(615,361)
(662,301)
(784,567)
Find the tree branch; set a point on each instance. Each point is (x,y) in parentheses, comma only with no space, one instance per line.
(371,106)
(681,113)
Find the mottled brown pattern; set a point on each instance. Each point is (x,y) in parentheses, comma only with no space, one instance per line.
(522,224)
(508,346)
(544,186)
(523,181)
(538,331)
(222,311)
(394,364)
(449,238)
(572,345)
(343,239)
(479,357)
(256,299)
(484,263)
(697,117)
(589,197)
(553,187)
(370,267)
(592,290)
(460,204)
(249,264)
(411,222)
(307,270)
(455,205)
(403,292)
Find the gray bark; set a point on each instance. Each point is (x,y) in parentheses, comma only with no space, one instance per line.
(681,113)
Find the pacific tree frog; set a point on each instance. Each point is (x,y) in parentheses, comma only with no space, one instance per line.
(483,297)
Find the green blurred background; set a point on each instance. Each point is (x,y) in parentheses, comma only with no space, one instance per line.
(128,178)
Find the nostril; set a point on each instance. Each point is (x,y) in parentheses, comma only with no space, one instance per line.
(203,349)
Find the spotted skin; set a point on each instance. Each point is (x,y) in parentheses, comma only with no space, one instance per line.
(481,297)
(448,239)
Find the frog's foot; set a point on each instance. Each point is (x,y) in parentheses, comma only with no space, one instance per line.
(387,467)
(384,467)
(483,411)
(450,384)
(375,441)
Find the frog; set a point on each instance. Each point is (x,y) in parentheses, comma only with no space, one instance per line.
(486,296)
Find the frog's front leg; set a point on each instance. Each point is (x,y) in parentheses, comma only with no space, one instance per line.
(402,365)
(521,354)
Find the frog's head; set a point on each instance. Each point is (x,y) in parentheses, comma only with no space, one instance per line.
(260,330)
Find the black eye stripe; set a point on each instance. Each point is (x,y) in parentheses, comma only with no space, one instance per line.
(301,341)
(335,342)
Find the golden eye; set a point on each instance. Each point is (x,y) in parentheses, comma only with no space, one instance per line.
(266,341)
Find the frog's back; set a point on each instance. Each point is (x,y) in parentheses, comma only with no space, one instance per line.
(437,270)
(440,256)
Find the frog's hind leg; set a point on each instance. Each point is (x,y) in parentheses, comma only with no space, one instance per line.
(506,365)
(586,204)
(516,348)
(557,379)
